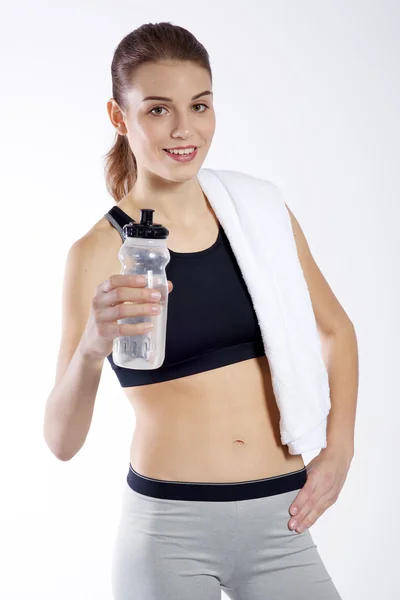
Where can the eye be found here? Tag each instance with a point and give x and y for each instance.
(155, 108)
(205, 106)
(162, 108)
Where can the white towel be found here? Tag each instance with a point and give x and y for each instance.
(258, 226)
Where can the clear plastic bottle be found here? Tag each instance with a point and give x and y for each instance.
(144, 252)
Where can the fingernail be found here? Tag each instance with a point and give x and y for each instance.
(294, 510)
(293, 524)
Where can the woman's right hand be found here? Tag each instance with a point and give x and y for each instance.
(108, 307)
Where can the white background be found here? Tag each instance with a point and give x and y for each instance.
(307, 96)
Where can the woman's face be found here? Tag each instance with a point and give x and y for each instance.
(184, 117)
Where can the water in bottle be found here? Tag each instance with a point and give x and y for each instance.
(144, 252)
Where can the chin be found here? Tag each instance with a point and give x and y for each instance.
(188, 173)
(184, 177)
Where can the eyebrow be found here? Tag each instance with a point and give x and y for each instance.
(207, 92)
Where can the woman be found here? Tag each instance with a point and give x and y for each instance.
(209, 487)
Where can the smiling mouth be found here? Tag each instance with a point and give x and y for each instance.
(169, 150)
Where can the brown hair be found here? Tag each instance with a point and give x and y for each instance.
(148, 43)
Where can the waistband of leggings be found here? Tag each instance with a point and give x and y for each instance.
(216, 492)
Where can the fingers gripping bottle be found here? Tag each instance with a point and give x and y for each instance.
(144, 252)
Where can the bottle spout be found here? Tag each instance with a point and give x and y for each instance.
(146, 216)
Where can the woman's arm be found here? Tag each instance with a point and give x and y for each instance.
(69, 407)
(339, 342)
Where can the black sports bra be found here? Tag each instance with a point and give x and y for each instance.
(211, 321)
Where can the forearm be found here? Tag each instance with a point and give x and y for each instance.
(69, 408)
(342, 357)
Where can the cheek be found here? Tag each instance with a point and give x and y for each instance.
(208, 134)
(209, 127)
(145, 136)
(153, 136)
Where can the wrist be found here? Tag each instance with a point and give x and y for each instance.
(344, 450)
(87, 357)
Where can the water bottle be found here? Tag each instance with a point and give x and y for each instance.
(144, 252)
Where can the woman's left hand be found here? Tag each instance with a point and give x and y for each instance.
(326, 475)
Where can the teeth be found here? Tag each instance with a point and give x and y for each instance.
(186, 151)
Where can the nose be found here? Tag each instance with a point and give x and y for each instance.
(182, 127)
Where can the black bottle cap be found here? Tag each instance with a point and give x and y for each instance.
(146, 229)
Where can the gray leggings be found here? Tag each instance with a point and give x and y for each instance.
(189, 541)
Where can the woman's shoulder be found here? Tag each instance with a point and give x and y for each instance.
(97, 252)
(102, 230)
(101, 239)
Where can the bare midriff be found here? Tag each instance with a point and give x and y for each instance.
(220, 425)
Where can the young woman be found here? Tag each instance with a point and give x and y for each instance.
(210, 485)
